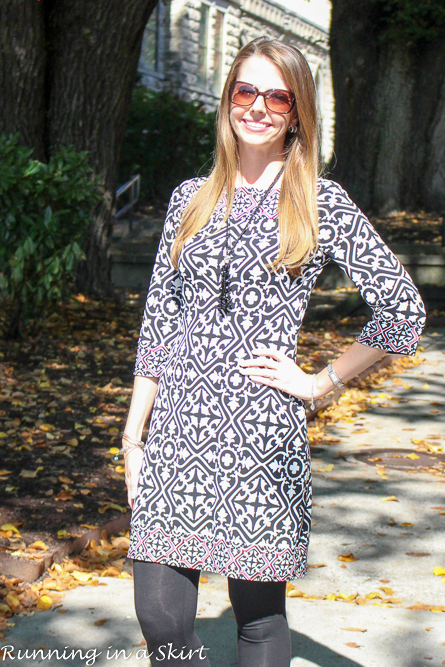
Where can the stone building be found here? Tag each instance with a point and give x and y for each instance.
(189, 46)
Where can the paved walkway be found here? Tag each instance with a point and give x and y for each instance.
(350, 517)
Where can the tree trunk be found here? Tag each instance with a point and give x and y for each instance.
(69, 69)
(390, 113)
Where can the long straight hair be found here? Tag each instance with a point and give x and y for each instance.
(297, 205)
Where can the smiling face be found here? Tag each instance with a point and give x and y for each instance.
(255, 127)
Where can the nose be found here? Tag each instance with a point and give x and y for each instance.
(259, 104)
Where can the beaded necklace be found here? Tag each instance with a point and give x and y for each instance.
(225, 299)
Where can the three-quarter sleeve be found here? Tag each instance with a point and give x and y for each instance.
(347, 237)
(161, 322)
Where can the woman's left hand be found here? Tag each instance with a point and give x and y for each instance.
(274, 369)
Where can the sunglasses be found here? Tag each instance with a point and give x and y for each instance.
(245, 94)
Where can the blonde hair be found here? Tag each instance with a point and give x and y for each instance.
(297, 205)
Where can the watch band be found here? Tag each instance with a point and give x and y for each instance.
(334, 377)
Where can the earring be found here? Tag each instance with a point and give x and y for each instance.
(293, 129)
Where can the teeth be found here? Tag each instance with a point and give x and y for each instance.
(255, 123)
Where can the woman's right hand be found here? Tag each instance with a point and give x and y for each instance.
(133, 465)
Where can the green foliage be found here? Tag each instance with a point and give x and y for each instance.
(409, 21)
(45, 213)
(167, 140)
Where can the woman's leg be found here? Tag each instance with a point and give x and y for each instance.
(165, 600)
(263, 632)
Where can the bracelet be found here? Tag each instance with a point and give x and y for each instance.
(334, 377)
(131, 444)
(132, 441)
(312, 404)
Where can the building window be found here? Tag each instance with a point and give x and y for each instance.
(218, 31)
(203, 46)
(150, 44)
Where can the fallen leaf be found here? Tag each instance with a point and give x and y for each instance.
(44, 602)
(418, 554)
(101, 621)
(38, 544)
(352, 645)
(390, 498)
(82, 576)
(387, 590)
(406, 524)
(411, 456)
(348, 558)
(354, 629)
(374, 595)
(439, 571)
(327, 468)
(11, 527)
(65, 480)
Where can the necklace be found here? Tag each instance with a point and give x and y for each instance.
(225, 299)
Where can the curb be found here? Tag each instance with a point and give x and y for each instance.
(29, 570)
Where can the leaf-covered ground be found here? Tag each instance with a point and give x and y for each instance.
(411, 228)
(64, 394)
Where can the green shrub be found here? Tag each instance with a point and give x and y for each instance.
(167, 140)
(45, 214)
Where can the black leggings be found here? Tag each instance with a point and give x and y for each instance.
(166, 599)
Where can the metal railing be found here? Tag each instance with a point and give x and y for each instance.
(133, 187)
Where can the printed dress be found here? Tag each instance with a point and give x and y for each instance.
(225, 483)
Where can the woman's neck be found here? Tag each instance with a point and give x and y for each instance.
(258, 171)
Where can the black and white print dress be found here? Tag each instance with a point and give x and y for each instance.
(225, 483)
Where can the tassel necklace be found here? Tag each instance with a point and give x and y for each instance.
(225, 299)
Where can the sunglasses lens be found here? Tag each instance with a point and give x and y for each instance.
(243, 94)
(279, 101)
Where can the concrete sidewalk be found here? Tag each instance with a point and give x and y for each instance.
(350, 517)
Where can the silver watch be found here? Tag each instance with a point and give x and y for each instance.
(334, 377)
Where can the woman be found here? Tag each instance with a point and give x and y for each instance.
(224, 482)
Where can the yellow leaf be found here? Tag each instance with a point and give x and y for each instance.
(13, 601)
(65, 480)
(62, 533)
(3, 473)
(393, 498)
(3, 434)
(47, 427)
(44, 602)
(82, 576)
(114, 450)
(439, 571)
(113, 430)
(374, 595)
(10, 526)
(406, 524)
(355, 629)
(73, 442)
(411, 456)
(387, 590)
(89, 525)
(426, 386)
(120, 469)
(295, 593)
(327, 468)
(331, 596)
(347, 558)
(38, 544)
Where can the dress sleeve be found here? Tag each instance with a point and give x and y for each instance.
(161, 322)
(348, 238)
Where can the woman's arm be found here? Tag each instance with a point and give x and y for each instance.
(142, 399)
(289, 377)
